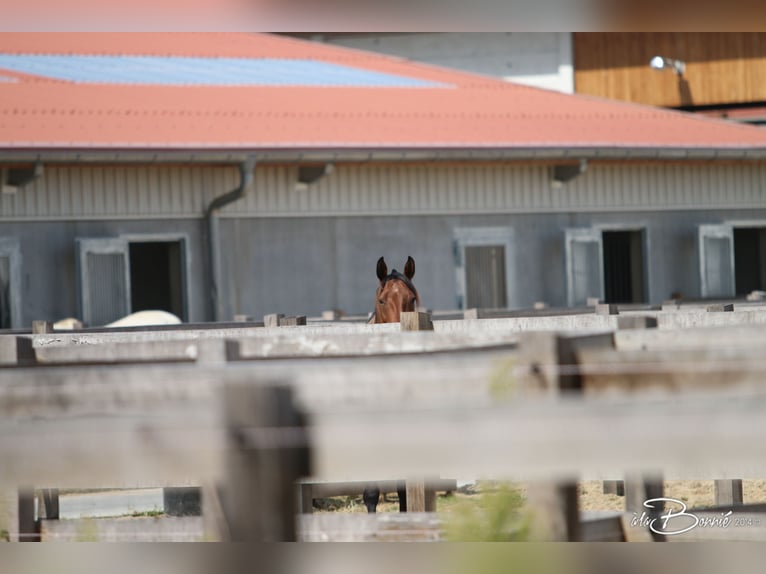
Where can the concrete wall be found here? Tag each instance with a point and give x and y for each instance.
(303, 265)
(300, 266)
(48, 250)
(541, 59)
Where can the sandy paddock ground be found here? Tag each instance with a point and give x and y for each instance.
(695, 493)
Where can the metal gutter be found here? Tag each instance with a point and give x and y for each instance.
(298, 155)
(246, 168)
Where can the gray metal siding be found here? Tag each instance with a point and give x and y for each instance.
(106, 289)
(118, 192)
(162, 192)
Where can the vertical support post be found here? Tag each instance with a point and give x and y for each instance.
(41, 327)
(416, 321)
(628, 322)
(544, 354)
(307, 498)
(28, 531)
(292, 321)
(720, 308)
(430, 497)
(266, 455)
(272, 319)
(728, 492)
(9, 515)
(556, 512)
(638, 489)
(606, 309)
(182, 500)
(418, 497)
(48, 503)
(214, 523)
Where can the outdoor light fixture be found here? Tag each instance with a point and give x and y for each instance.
(17, 177)
(561, 174)
(308, 174)
(662, 63)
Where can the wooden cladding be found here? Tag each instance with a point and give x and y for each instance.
(721, 68)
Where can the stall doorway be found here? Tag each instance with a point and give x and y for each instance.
(156, 277)
(749, 255)
(624, 266)
(732, 259)
(608, 265)
(123, 275)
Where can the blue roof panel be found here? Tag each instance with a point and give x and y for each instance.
(203, 71)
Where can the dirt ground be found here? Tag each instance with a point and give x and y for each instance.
(695, 493)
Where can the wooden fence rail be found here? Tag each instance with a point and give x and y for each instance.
(472, 398)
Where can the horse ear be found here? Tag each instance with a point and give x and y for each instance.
(382, 269)
(409, 268)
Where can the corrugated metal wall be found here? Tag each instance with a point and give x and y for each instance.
(123, 192)
(393, 189)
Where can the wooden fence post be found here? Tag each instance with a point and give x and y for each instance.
(48, 503)
(728, 492)
(720, 308)
(606, 309)
(555, 511)
(28, 526)
(640, 487)
(41, 327)
(266, 455)
(628, 322)
(272, 319)
(420, 498)
(637, 488)
(552, 369)
(416, 321)
(292, 321)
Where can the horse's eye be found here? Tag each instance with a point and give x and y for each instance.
(381, 302)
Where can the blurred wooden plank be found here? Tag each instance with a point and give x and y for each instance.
(128, 529)
(734, 369)
(700, 338)
(527, 440)
(602, 530)
(379, 527)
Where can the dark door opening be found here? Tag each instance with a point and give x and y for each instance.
(749, 259)
(157, 277)
(624, 266)
(485, 277)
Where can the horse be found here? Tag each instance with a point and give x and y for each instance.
(395, 294)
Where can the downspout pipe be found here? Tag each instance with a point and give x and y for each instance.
(246, 169)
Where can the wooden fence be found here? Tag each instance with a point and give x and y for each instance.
(548, 399)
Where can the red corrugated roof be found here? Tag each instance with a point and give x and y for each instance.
(462, 111)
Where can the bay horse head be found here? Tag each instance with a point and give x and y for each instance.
(395, 293)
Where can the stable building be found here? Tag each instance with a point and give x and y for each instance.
(220, 174)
